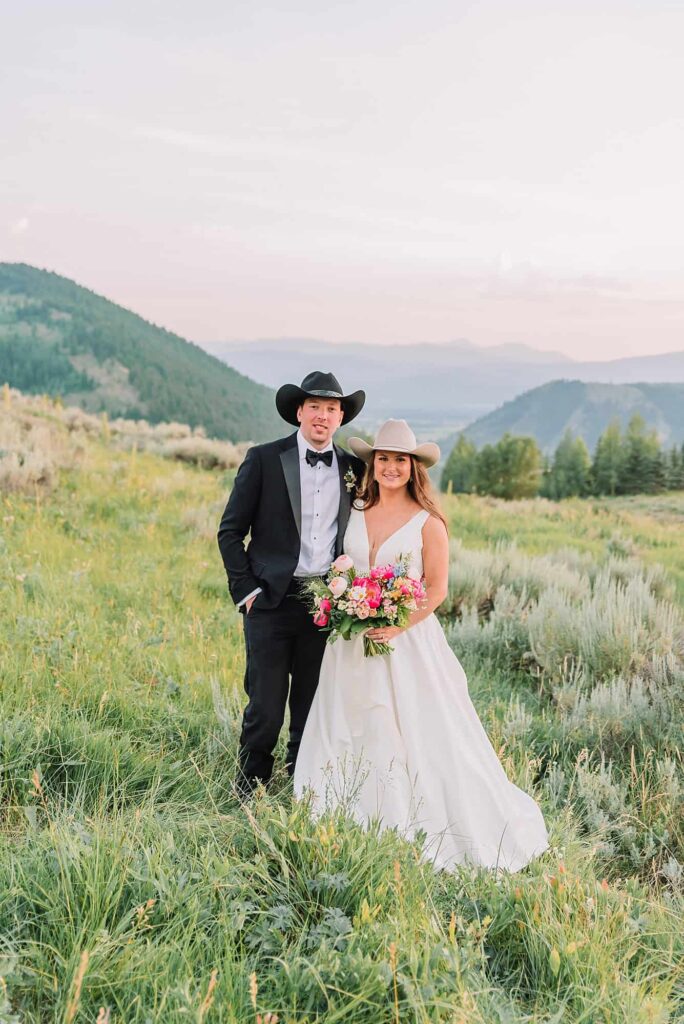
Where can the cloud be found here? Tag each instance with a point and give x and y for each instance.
(267, 146)
(19, 227)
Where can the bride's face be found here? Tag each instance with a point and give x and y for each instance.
(392, 469)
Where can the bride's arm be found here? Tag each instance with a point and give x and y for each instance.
(436, 571)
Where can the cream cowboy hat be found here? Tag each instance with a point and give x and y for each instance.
(396, 436)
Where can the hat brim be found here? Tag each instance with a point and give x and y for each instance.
(289, 397)
(427, 453)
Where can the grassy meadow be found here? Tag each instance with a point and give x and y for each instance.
(133, 888)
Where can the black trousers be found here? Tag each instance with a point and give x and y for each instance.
(284, 653)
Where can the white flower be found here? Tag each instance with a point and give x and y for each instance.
(337, 586)
(350, 480)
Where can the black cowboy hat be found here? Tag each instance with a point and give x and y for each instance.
(317, 385)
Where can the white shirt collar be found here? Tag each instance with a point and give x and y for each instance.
(303, 445)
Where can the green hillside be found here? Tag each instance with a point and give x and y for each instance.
(59, 338)
(546, 412)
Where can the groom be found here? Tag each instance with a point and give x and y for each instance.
(293, 497)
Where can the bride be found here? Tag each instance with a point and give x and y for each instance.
(395, 737)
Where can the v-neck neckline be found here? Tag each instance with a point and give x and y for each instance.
(389, 536)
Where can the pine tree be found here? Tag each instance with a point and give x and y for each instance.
(546, 482)
(657, 478)
(459, 471)
(510, 469)
(488, 478)
(522, 466)
(569, 473)
(642, 470)
(609, 457)
(674, 469)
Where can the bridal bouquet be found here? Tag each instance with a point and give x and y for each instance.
(345, 604)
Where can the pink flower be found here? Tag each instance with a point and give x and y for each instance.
(360, 581)
(325, 605)
(373, 594)
(320, 619)
(337, 586)
(376, 572)
(388, 573)
(343, 563)
(363, 611)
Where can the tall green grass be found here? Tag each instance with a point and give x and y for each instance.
(133, 886)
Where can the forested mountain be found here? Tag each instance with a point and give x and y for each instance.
(62, 339)
(547, 412)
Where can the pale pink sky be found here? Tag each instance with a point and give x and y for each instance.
(359, 172)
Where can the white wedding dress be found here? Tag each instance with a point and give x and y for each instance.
(396, 738)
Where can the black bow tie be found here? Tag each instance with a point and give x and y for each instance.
(313, 457)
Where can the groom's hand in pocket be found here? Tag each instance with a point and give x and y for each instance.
(248, 604)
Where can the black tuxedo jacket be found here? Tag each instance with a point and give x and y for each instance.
(266, 502)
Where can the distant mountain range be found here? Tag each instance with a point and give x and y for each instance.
(546, 412)
(59, 338)
(438, 387)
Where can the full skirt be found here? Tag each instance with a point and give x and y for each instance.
(395, 738)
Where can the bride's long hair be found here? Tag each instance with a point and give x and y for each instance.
(419, 487)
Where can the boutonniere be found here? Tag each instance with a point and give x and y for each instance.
(350, 480)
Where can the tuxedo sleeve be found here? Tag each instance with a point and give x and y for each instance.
(236, 523)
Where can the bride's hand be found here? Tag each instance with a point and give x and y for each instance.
(384, 634)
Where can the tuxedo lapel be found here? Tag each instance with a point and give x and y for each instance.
(345, 497)
(290, 463)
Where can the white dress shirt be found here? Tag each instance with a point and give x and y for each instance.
(320, 493)
(320, 490)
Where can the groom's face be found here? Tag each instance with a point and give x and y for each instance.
(319, 418)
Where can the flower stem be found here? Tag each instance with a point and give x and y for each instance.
(373, 647)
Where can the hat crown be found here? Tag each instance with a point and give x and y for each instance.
(395, 434)
(324, 384)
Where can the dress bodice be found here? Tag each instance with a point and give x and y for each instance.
(407, 541)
